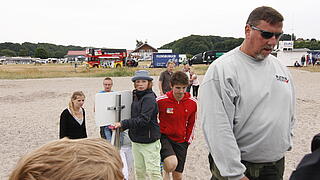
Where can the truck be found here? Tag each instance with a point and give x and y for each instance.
(182, 58)
(159, 60)
(106, 58)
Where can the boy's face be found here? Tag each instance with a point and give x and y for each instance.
(179, 90)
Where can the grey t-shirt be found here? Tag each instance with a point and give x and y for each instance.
(165, 79)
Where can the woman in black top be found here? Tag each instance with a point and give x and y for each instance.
(72, 119)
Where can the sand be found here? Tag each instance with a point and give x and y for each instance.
(30, 111)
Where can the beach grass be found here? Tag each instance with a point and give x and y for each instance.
(309, 68)
(31, 71)
(28, 71)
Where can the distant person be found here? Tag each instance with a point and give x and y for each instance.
(247, 104)
(308, 61)
(144, 130)
(66, 159)
(164, 79)
(190, 61)
(177, 115)
(296, 64)
(309, 166)
(303, 60)
(186, 69)
(73, 119)
(195, 84)
(106, 131)
(314, 60)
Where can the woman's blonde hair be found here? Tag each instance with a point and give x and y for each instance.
(74, 96)
(65, 159)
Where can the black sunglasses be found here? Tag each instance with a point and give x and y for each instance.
(266, 34)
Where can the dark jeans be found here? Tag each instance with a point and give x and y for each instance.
(188, 88)
(195, 91)
(255, 171)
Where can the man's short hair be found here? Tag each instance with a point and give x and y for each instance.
(179, 78)
(264, 13)
(108, 78)
(67, 159)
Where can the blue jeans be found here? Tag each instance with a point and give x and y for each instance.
(106, 133)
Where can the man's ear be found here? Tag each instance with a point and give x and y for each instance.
(247, 31)
(171, 85)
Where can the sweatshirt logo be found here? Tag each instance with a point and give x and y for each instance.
(169, 111)
(282, 78)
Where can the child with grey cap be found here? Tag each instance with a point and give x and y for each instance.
(144, 130)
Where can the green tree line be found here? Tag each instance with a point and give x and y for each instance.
(195, 44)
(312, 45)
(190, 45)
(40, 50)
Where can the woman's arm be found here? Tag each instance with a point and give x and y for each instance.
(142, 120)
(63, 125)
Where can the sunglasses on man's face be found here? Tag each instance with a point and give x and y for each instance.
(266, 34)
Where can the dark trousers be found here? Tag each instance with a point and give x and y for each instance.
(195, 91)
(188, 88)
(255, 171)
(102, 132)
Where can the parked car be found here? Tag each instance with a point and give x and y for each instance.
(206, 57)
(196, 59)
(131, 63)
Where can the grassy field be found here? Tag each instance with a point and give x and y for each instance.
(309, 68)
(31, 71)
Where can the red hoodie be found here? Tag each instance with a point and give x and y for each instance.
(177, 118)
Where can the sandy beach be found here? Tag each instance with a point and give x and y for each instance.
(30, 111)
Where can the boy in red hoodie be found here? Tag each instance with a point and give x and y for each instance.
(177, 114)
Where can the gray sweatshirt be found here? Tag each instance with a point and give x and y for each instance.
(247, 111)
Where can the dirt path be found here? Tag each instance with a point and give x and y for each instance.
(30, 111)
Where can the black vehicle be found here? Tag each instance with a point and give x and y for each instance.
(131, 63)
(197, 59)
(206, 57)
(209, 56)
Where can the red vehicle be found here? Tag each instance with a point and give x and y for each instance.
(108, 58)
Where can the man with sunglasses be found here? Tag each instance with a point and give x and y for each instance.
(247, 105)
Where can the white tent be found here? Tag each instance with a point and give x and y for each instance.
(289, 57)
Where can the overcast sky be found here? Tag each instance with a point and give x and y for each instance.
(118, 23)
